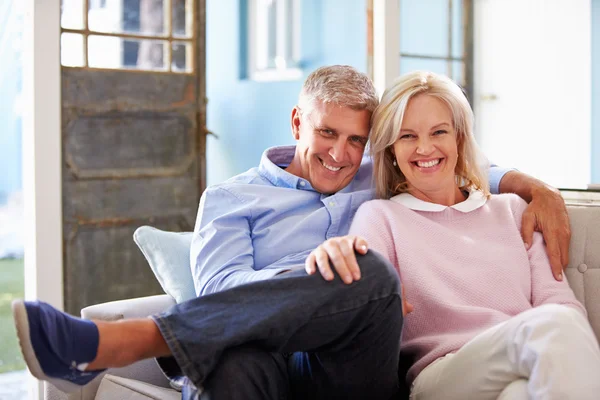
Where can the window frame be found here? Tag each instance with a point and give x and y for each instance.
(168, 39)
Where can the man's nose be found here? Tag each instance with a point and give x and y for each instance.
(337, 150)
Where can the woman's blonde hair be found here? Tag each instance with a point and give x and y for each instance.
(387, 121)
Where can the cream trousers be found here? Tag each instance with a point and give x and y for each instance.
(548, 352)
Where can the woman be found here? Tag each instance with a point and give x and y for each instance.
(489, 319)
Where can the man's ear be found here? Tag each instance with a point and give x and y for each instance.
(296, 123)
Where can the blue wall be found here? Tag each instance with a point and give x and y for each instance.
(250, 116)
(10, 88)
(595, 91)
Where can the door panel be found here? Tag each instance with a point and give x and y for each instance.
(133, 154)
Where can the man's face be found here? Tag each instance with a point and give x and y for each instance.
(331, 142)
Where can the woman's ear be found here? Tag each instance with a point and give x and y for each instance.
(296, 123)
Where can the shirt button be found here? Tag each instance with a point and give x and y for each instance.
(331, 204)
(302, 183)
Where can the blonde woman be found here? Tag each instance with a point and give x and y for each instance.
(489, 320)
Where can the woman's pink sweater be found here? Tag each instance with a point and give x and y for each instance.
(463, 271)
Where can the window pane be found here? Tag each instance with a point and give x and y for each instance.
(115, 52)
(458, 73)
(71, 14)
(182, 15)
(424, 27)
(142, 17)
(408, 64)
(182, 57)
(457, 28)
(71, 50)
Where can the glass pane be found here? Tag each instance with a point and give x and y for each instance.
(424, 27)
(408, 64)
(115, 52)
(182, 57)
(71, 50)
(182, 15)
(458, 73)
(71, 14)
(141, 17)
(457, 28)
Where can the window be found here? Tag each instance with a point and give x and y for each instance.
(151, 35)
(435, 36)
(530, 72)
(274, 40)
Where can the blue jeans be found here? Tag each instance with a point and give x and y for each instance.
(291, 337)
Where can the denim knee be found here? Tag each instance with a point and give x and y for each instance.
(377, 269)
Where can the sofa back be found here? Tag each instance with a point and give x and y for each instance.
(583, 272)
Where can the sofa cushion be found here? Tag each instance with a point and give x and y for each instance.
(583, 271)
(168, 254)
(117, 388)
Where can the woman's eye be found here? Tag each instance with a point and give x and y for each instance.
(327, 132)
(440, 132)
(407, 136)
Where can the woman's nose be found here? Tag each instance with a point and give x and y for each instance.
(424, 147)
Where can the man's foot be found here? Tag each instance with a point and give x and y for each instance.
(56, 346)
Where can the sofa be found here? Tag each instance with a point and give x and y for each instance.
(144, 380)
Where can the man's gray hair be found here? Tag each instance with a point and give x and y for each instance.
(341, 85)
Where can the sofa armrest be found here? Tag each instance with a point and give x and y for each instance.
(131, 308)
(145, 370)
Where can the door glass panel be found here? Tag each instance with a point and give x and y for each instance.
(71, 50)
(182, 18)
(181, 61)
(140, 17)
(116, 52)
(71, 14)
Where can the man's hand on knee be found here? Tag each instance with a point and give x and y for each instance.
(340, 252)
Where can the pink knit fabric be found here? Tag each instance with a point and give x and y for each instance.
(463, 272)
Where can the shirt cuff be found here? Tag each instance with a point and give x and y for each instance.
(495, 175)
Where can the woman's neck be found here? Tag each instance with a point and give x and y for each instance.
(443, 196)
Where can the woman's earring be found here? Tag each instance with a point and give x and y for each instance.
(395, 163)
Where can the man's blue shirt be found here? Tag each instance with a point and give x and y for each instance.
(266, 221)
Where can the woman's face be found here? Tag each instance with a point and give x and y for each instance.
(426, 151)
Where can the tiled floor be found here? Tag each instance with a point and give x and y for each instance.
(13, 386)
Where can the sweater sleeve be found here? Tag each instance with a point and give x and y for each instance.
(544, 288)
(371, 223)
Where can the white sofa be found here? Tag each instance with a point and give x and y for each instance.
(144, 380)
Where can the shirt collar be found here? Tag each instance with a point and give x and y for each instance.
(272, 167)
(475, 200)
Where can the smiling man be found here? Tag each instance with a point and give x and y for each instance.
(262, 327)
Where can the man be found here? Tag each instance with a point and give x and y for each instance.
(264, 328)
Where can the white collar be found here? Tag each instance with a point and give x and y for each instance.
(475, 200)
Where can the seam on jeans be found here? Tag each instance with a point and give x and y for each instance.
(180, 355)
(356, 303)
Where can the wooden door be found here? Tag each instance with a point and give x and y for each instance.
(133, 137)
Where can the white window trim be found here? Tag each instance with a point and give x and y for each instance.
(255, 52)
(386, 43)
(42, 179)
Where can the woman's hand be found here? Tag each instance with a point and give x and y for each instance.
(340, 251)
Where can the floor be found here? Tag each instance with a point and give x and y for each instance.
(13, 386)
